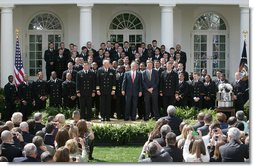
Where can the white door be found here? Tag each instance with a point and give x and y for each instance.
(37, 44)
(210, 52)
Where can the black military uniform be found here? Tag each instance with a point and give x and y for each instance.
(210, 95)
(169, 85)
(50, 56)
(77, 67)
(69, 90)
(61, 65)
(25, 92)
(10, 94)
(55, 92)
(85, 85)
(106, 83)
(120, 99)
(40, 89)
(197, 91)
(182, 94)
(96, 100)
(73, 75)
(239, 88)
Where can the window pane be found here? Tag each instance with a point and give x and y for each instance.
(32, 72)
(39, 38)
(209, 21)
(32, 55)
(45, 21)
(39, 55)
(32, 47)
(32, 64)
(139, 38)
(126, 21)
(31, 38)
(203, 47)
(197, 47)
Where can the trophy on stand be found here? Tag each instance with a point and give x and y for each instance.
(224, 96)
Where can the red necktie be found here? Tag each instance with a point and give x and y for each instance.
(133, 77)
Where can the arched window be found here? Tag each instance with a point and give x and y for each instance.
(210, 44)
(209, 21)
(45, 21)
(126, 27)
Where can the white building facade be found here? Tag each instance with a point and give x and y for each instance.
(211, 32)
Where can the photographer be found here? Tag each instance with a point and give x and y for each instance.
(77, 155)
(155, 153)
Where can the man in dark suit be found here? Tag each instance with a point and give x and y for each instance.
(66, 52)
(234, 150)
(10, 94)
(8, 148)
(28, 137)
(183, 57)
(132, 89)
(157, 55)
(26, 96)
(71, 71)
(182, 96)
(169, 86)
(239, 88)
(40, 89)
(175, 152)
(207, 122)
(105, 87)
(197, 91)
(150, 82)
(155, 152)
(30, 153)
(200, 121)
(141, 102)
(127, 50)
(173, 120)
(61, 63)
(85, 88)
(50, 59)
(98, 59)
(209, 93)
(55, 90)
(69, 92)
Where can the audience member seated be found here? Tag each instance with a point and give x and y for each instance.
(174, 121)
(221, 118)
(8, 149)
(185, 132)
(75, 117)
(10, 124)
(17, 118)
(25, 132)
(174, 152)
(207, 120)
(46, 157)
(30, 154)
(180, 129)
(197, 152)
(200, 121)
(240, 116)
(76, 154)
(38, 122)
(232, 122)
(61, 137)
(86, 133)
(156, 130)
(49, 138)
(163, 131)
(62, 155)
(31, 126)
(234, 150)
(41, 147)
(155, 153)
(60, 118)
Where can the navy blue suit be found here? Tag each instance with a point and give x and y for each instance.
(151, 98)
(132, 90)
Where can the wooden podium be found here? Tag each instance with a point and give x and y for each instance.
(226, 110)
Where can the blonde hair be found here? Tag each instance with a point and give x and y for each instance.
(72, 146)
(198, 148)
(60, 118)
(73, 131)
(186, 130)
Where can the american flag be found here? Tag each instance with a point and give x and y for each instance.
(18, 66)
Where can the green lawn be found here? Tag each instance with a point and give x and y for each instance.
(116, 154)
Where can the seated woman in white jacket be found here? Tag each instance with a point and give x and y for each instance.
(198, 152)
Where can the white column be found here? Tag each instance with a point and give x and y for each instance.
(244, 28)
(85, 32)
(167, 31)
(7, 49)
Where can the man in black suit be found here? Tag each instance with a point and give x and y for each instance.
(55, 90)
(30, 154)
(28, 137)
(69, 92)
(26, 96)
(132, 89)
(182, 96)
(50, 59)
(10, 94)
(157, 55)
(98, 59)
(197, 91)
(234, 150)
(8, 148)
(71, 71)
(105, 87)
(239, 88)
(61, 63)
(66, 52)
(40, 89)
(183, 57)
(85, 88)
(207, 122)
(127, 50)
(120, 99)
(175, 152)
(169, 86)
(150, 82)
(209, 93)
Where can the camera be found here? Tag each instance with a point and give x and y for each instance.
(74, 159)
(215, 130)
(216, 138)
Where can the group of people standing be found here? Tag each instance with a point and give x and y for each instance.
(117, 79)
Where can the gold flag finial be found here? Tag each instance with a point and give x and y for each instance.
(245, 33)
(17, 33)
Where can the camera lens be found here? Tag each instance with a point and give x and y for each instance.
(74, 159)
(215, 130)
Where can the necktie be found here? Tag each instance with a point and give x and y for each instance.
(133, 77)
